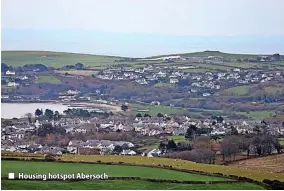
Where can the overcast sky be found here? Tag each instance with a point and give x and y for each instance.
(143, 27)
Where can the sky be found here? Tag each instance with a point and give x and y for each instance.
(141, 28)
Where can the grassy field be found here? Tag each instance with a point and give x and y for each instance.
(110, 170)
(213, 53)
(177, 138)
(121, 185)
(153, 109)
(48, 79)
(238, 90)
(273, 89)
(180, 164)
(78, 72)
(198, 70)
(54, 59)
(281, 141)
(164, 85)
(271, 164)
(257, 115)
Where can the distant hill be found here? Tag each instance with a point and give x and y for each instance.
(54, 59)
(59, 59)
(214, 53)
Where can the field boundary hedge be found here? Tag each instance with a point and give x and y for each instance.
(140, 178)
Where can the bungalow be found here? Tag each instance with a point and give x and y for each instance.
(128, 152)
(152, 152)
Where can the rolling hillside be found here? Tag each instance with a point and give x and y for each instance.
(54, 59)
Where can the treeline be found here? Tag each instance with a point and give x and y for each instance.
(204, 149)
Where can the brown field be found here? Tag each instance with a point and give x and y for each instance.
(78, 72)
(272, 164)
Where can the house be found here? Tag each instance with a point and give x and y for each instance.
(12, 84)
(174, 80)
(24, 78)
(206, 94)
(10, 72)
(73, 92)
(152, 152)
(128, 152)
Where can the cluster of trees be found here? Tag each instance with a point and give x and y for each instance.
(25, 68)
(203, 149)
(48, 129)
(148, 115)
(55, 115)
(77, 66)
(84, 113)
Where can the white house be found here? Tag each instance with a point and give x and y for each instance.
(173, 81)
(12, 84)
(152, 153)
(10, 72)
(128, 152)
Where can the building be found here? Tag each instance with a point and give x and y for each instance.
(10, 72)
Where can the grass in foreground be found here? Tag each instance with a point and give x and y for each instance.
(111, 170)
(48, 79)
(120, 185)
(180, 164)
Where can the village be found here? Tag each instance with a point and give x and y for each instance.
(18, 137)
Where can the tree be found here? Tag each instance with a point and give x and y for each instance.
(56, 115)
(220, 119)
(202, 142)
(124, 107)
(117, 149)
(48, 113)
(138, 115)
(160, 115)
(234, 131)
(147, 115)
(163, 147)
(184, 146)
(79, 66)
(229, 146)
(190, 132)
(4, 68)
(29, 116)
(171, 145)
(245, 144)
(38, 112)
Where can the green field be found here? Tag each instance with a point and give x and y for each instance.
(281, 141)
(48, 79)
(165, 85)
(238, 90)
(54, 59)
(111, 170)
(273, 89)
(177, 138)
(198, 70)
(180, 164)
(121, 185)
(154, 109)
(257, 115)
